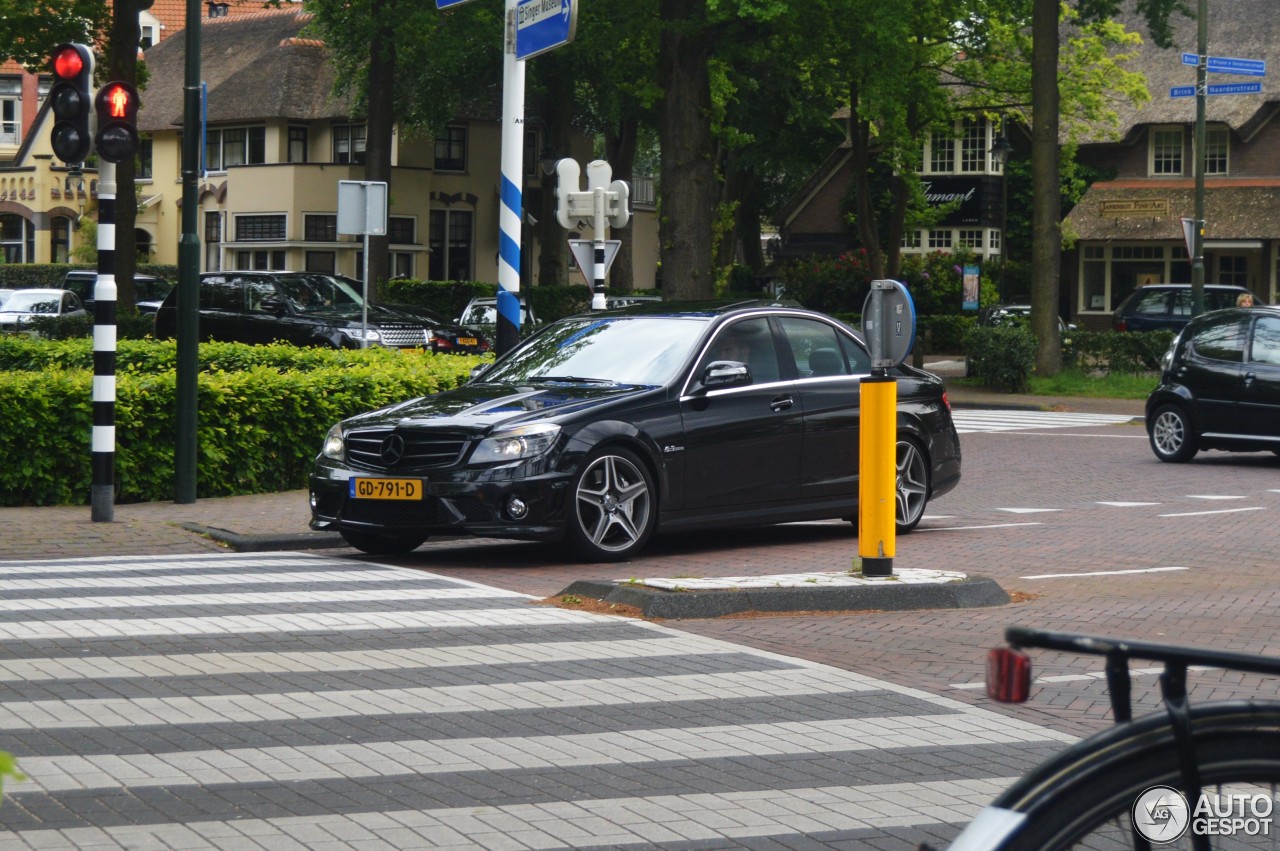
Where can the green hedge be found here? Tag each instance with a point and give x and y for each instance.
(262, 414)
(449, 298)
(1118, 351)
(1002, 356)
(26, 275)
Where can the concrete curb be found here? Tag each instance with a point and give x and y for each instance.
(972, 592)
(269, 543)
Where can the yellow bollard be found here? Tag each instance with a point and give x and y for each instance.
(877, 474)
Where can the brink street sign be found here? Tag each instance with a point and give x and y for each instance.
(543, 25)
(1217, 89)
(1227, 65)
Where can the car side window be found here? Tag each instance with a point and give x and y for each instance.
(748, 341)
(859, 358)
(219, 293)
(1265, 347)
(1222, 340)
(1182, 303)
(815, 347)
(1155, 303)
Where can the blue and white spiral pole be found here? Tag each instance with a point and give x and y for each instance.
(102, 493)
(510, 216)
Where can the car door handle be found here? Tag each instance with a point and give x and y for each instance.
(782, 403)
(1249, 378)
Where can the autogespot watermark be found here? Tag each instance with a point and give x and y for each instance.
(1162, 815)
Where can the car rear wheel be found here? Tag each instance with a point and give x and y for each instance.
(912, 490)
(1172, 438)
(381, 544)
(614, 506)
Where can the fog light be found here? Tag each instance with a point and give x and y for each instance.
(516, 508)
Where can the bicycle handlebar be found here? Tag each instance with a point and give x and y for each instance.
(1023, 636)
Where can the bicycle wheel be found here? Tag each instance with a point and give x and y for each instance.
(1084, 798)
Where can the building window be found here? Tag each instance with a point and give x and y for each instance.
(149, 36)
(10, 110)
(43, 84)
(297, 144)
(348, 143)
(260, 261)
(212, 241)
(451, 244)
(973, 146)
(18, 238)
(1233, 269)
(60, 239)
(322, 262)
(143, 159)
(400, 230)
(1216, 148)
(971, 239)
(401, 264)
(228, 146)
(251, 228)
(996, 239)
(942, 151)
(939, 239)
(1109, 273)
(1166, 151)
(911, 239)
(451, 149)
(317, 227)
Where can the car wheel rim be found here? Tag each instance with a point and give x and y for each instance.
(1168, 433)
(613, 503)
(913, 483)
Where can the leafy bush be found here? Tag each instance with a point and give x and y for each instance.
(1002, 356)
(262, 413)
(829, 284)
(1131, 352)
(26, 275)
(944, 334)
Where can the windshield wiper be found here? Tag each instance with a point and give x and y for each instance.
(571, 379)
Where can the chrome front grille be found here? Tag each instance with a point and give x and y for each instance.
(399, 449)
(403, 336)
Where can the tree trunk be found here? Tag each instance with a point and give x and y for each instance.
(620, 152)
(379, 129)
(556, 112)
(689, 188)
(122, 64)
(1046, 238)
(864, 204)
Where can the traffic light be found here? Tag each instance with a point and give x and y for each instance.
(72, 81)
(117, 136)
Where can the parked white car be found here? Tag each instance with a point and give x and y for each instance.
(24, 305)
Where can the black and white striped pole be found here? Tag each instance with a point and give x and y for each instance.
(104, 351)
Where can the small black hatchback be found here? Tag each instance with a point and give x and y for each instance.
(309, 309)
(1219, 386)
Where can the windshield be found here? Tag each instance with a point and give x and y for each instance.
(22, 302)
(487, 314)
(312, 293)
(617, 350)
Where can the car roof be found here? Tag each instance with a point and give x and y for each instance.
(1188, 286)
(43, 290)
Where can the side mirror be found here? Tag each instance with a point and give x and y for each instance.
(726, 373)
(479, 370)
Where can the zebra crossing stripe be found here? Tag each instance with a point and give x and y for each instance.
(308, 577)
(805, 811)
(264, 598)
(620, 747)
(969, 421)
(249, 709)
(210, 664)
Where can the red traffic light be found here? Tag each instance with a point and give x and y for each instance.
(118, 99)
(67, 62)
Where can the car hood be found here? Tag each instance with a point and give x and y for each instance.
(482, 407)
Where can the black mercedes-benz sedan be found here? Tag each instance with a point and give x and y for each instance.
(606, 427)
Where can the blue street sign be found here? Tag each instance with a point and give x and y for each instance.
(445, 4)
(1217, 89)
(1227, 65)
(543, 25)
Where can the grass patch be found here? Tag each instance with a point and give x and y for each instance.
(1075, 382)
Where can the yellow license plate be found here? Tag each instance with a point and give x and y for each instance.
(467, 341)
(365, 488)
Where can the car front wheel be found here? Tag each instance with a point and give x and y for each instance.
(614, 506)
(1171, 436)
(912, 490)
(378, 544)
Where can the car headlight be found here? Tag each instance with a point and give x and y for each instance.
(517, 444)
(334, 443)
(369, 335)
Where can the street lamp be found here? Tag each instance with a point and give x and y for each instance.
(1000, 150)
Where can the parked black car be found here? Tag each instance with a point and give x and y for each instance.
(1219, 387)
(604, 428)
(149, 291)
(310, 310)
(1168, 306)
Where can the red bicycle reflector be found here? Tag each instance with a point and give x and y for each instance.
(68, 63)
(1008, 675)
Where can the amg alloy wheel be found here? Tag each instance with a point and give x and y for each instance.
(912, 490)
(614, 506)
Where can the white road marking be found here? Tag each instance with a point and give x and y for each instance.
(1219, 511)
(1103, 572)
